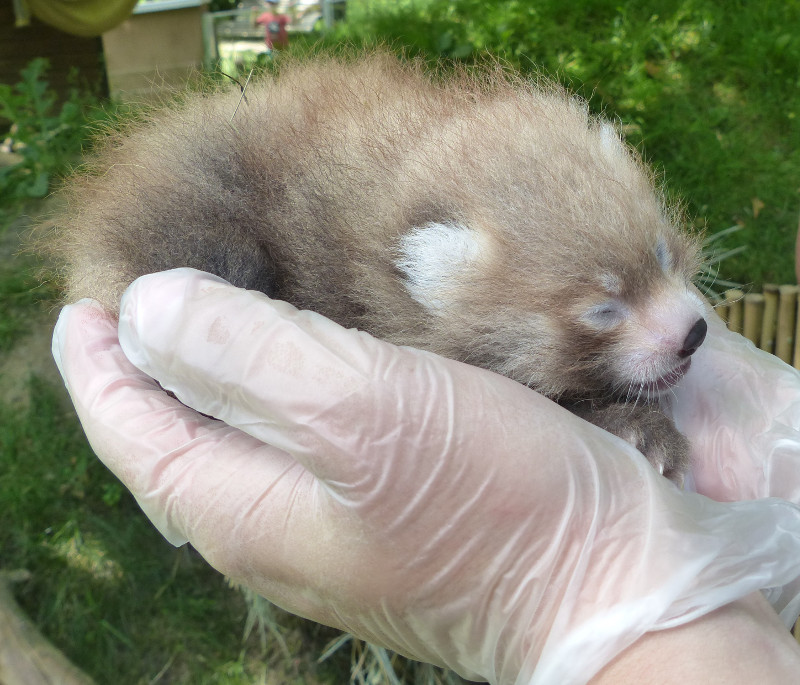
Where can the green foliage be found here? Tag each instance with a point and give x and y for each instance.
(45, 135)
(20, 292)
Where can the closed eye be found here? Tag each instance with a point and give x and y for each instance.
(663, 255)
(605, 316)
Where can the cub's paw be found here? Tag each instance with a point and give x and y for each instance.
(648, 430)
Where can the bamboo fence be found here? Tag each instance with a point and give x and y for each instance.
(768, 319)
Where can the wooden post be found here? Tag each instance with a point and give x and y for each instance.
(770, 318)
(796, 347)
(787, 320)
(733, 300)
(753, 317)
(26, 657)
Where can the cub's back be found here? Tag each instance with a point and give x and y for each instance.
(307, 187)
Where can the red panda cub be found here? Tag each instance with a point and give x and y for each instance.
(483, 217)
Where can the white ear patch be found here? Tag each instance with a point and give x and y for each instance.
(432, 256)
(663, 255)
(610, 140)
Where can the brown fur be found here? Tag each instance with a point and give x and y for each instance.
(307, 191)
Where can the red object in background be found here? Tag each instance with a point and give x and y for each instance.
(275, 34)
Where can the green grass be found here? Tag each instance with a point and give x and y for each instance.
(106, 588)
(19, 290)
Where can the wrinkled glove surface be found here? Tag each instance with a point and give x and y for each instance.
(428, 506)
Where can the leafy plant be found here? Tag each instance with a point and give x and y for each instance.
(44, 135)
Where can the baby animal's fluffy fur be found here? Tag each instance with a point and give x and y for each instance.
(483, 217)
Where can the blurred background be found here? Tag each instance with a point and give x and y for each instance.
(708, 90)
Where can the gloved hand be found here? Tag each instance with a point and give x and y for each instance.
(740, 408)
(431, 507)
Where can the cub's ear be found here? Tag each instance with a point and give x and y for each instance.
(434, 258)
(611, 140)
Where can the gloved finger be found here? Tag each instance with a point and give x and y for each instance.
(740, 408)
(325, 394)
(196, 478)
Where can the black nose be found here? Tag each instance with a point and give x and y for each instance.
(694, 339)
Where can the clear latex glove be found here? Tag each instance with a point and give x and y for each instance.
(740, 408)
(437, 509)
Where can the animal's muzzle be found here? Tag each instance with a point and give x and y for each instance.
(694, 339)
